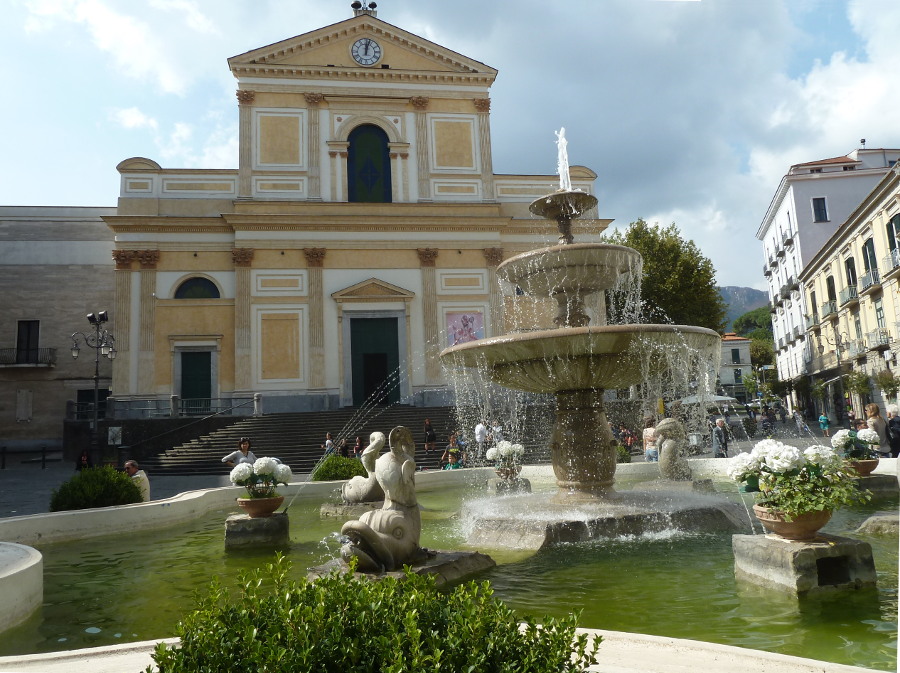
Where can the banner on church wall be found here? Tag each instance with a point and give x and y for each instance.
(464, 326)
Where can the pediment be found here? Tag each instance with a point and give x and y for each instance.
(373, 289)
(328, 50)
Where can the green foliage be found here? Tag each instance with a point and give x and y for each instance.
(888, 382)
(858, 382)
(817, 389)
(335, 468)
(95, 487)
(755, 322)
(749, 426)
(340, 623)
(679, 283)
(762, 352)
(780, 388)
(751, 383)
(623, 455)
(811, 490)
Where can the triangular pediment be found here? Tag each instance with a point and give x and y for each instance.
(373, 289)
(325, 51)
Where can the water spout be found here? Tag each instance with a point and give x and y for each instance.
(562, 162)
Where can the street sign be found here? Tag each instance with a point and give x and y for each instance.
(758, 394)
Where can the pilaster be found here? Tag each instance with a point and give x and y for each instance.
(483, 107)
(427, 260)
(243, 370)
(245, 142)
(420, 104)
(121, 366)
(148, 260)
(315, 262)
(493, 257)
(313, 100)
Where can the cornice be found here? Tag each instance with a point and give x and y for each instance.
(357, 75)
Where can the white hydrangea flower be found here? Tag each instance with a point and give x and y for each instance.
(491, 453)
(504, 449)
(741, 465)
(241, 473)
(283, 474)
(822, 456)
(265, 466)
(784, 459)
(518, 450)
(869, 436)
(763, 448)
(503, 444)
(842, 440)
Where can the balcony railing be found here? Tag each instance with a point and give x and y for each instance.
(784, 292)
(766, 270)
(878, 339)
(856, 348)
(780, 252)
(812, 321)
(788, 239)
(824, 361)
(892, 262)
(35, 357)
(828, 308)
(796, 333)
(848, 294)
(773, 262)
(870, 279)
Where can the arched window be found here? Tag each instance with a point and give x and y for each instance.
(368, 166)
(197, 288)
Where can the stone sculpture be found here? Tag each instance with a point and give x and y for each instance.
(385, 539)
(672, 444)
(366, 489)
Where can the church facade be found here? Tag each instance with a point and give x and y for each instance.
(358, 237)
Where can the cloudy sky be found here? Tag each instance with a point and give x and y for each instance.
(689, 111)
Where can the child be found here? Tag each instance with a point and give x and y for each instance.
(454, 461)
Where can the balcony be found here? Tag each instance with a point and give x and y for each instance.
(781, 344)
(788, 239)
(792, 284)
(773, 262)
(879, 340)
(870, 281)
(779, 252)
(796, 333)
(822, 362)
(784, 292)
(812, 321)
(856, 348)
(766, 270)
(892, 264)
(829, 309)
(848, 296)
(27, 357)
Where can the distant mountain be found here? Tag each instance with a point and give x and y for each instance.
(739, 300)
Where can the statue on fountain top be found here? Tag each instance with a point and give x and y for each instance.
(366, 489)
(385, 539)
(672, 444)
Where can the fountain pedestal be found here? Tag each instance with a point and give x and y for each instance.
(582, 446)
(243, 531)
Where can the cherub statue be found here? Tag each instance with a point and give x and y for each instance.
(385, 539)
(366, 489)
(672, 445)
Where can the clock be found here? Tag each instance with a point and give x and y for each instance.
(366, 51)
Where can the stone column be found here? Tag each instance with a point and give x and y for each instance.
(483, 106)
(494, 256)
(315, 262)
(431, 331)
(399, 153)
(242, 258)
(121, 329)
(420, 104)
(315, 183)
(147, 357)
(337, 156)
(245, 142)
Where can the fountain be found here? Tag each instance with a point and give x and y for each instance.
(578, 360)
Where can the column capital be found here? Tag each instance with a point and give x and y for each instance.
(313, 99)
(419, 102)
(482, 104)
(315, 257)
(242, 256)
(245, 96)
(124, 258)
(148, 258)
(493, 256)
(427, 256)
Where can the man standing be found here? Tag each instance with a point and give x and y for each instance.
(139, 477)
(480, 438)
(720, 439)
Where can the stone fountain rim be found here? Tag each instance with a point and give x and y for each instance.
(540, 252)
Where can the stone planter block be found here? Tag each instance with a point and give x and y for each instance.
(242, 531)
(828, 563)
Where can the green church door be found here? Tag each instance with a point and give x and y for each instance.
(196, 381)
(375, 360)
(368, 166)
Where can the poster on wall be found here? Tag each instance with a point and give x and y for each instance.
(464, 326)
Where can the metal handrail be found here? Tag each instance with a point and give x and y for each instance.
(27, 356)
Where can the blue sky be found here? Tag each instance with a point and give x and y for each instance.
(689, 111)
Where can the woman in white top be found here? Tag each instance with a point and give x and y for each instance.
(879, 425)
(242, 455)
(651, 453)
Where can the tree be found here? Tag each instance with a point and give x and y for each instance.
(753, 321)
(679, 283)
(762, 352)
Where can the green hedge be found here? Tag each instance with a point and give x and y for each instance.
(336, 467)
(623, 455)
(343, 624)
(95, 487)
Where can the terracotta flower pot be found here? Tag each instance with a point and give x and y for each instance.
(864, 467)
(803, 527)
(258, 508)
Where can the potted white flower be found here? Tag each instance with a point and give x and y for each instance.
(858, 447)
(797, 490)
(261, 479)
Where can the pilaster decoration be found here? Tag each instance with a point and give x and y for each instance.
(420, 103)
(315, 257)
(487, 162)
(313, 99)
(243, 376)
(121, 365)
(493, 256)
(312, 146)
(245, 96)
(148, 258)
(482, 104)
(123, 258)
(427, 256)
(242, 256)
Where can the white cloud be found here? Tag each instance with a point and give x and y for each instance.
(132, 118)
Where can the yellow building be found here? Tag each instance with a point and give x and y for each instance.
(358, 237)
(853, 289)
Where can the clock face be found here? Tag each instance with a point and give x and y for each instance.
(366, 51)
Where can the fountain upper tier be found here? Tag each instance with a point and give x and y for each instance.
(578, 358)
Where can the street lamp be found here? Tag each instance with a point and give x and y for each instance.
(839, 341)
(103, 343)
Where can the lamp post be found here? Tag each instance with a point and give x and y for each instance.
(838, 341)
(103, 343)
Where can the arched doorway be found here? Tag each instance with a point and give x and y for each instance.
(368, 166)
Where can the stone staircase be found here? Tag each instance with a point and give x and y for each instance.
(297, 438)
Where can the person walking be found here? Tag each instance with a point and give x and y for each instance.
(720, 439)
(329, 444)
(823, 424)
(430, 436)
